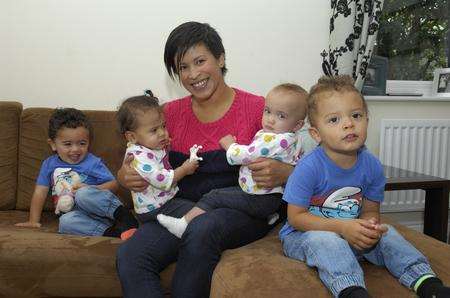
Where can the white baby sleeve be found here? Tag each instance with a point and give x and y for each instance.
(153, 171)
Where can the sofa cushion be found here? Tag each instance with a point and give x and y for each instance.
(9, 136)
(39, 264)
(49, 220)
(261, 270)
(59, 259)
(106, 143)
(47, 264)
(85, 266)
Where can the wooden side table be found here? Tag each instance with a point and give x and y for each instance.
(436, 197)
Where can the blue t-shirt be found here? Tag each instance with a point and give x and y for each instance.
(91, 169)
(328, 190)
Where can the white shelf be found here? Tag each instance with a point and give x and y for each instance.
(405, 98)
(405, 87)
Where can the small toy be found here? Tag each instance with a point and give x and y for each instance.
(63, 192)
(193, 150)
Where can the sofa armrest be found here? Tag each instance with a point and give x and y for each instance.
(9, 139)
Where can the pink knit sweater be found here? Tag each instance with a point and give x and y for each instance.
(242, 120)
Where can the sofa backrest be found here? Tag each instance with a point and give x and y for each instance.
(9, 137)
(106, 143)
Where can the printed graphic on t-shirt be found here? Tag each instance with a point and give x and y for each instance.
(342, 203)
(63, 180)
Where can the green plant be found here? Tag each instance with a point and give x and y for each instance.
(413, 35)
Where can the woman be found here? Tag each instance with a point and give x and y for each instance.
(194, 53)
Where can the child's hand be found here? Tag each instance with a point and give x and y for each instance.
(226, 141)
(381, 228)
(166, 143)
(190, 166)
(77, 186)
(28, 224)
(360, 233)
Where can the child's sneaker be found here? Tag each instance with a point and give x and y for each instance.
(127, 234)
(124, 218)
(432, 287)
(124, 221)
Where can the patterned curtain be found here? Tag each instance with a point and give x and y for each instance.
(353, 31)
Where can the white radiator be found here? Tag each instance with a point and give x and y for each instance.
(420, 146)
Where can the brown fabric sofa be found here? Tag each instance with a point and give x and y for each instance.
(43, 263)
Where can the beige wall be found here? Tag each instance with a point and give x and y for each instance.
(94, 53)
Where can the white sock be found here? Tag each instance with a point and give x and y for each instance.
(271, 219)
(176, 226)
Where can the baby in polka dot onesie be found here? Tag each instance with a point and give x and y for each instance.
(142, 122)
(283, 116)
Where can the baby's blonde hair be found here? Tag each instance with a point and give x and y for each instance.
(290, 87)
(295, 89)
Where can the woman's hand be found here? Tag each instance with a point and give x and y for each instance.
(270, 173)
(77, 186)
(129, 178)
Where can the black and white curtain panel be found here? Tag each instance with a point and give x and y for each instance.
(353, 31)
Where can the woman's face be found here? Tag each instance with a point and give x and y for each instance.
(201, 73)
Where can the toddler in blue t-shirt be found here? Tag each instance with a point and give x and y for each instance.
(81, 185)
(334, 197)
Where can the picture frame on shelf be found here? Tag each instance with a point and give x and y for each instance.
(441, 83)
(376, 76)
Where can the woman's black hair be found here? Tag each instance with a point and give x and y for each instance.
(187, 35)
(67, 118)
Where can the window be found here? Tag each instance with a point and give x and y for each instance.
(413, 36)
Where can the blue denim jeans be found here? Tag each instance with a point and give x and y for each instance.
(152, 248)
(337, 262)
(92, 213)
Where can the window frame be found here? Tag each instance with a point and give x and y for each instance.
(416, 88)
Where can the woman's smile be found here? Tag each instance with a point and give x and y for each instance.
(200, 84)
